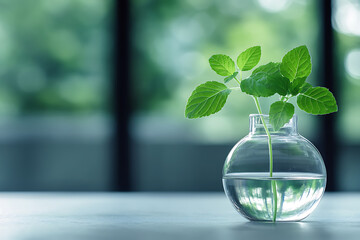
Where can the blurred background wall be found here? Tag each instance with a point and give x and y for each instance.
(92, 93)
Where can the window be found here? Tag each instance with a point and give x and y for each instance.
(171, 44)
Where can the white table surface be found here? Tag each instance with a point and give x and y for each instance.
(164, 216)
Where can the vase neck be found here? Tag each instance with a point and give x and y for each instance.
(257, 127)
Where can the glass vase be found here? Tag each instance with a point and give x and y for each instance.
(298, 177)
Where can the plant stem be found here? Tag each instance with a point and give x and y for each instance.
(273, 186)
(286, 98)
(273, 182)
(267, 133)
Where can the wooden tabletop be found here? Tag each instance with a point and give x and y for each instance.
(163, 216)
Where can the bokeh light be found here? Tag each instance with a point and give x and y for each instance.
(346, 17)
(352, 64)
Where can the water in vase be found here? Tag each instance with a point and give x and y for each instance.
(252, 194)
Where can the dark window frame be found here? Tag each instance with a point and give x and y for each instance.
(327, 134)
(121, 97)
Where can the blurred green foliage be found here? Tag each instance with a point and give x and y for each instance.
(54, 56)
(345, 19)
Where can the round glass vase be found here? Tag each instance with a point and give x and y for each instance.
(298, 178)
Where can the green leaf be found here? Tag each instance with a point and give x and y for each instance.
(317, 100)
(227, 79)
(257, 85)
(296, 85)
(271, 68)
(249, 58)
(277, 82)
(296, 63)
(305, 87)
(222, 64)
(265, 81)
(206, 99)
(280, 113)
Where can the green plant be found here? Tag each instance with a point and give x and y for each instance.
(286, 78)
